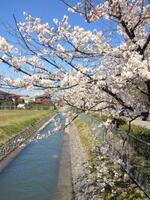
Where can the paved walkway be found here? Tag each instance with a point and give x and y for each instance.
(64, 187)
(139, 122)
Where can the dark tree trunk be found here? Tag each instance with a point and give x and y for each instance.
(148, 89)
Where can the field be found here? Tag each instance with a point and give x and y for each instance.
(13, 121)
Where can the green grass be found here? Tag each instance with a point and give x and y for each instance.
(86, 138)
(13, 121)
(136, 130)
(102, 118)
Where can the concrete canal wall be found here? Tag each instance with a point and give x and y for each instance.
(12, 144)
(64, 186)
(83, 184)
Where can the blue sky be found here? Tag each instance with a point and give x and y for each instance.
(46, 10)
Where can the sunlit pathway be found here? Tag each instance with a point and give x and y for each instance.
(139, 122)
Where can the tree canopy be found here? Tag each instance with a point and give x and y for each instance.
(83, 68)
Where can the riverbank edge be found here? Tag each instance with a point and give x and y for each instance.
(64, 184)
(40, 125)
(82, 181)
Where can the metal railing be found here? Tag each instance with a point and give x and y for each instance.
(134, 152)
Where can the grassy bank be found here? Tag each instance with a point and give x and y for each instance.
(102, 118)
(136, 130)
(85, 136)
(13, 121)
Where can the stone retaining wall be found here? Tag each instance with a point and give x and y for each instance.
(16, 141)
(83, 184)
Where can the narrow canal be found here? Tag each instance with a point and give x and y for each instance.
(33, 174)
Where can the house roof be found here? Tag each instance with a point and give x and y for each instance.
(2, 93)
(45, 95)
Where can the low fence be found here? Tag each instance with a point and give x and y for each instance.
(13, 143)
(134, 153)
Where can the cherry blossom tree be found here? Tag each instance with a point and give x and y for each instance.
(128, 71)
(84, 68)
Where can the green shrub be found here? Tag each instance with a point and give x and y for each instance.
(122, 121)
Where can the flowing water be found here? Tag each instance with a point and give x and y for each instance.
(33, 174)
